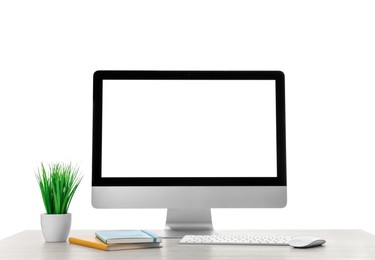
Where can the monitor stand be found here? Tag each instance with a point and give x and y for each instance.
(182, 222)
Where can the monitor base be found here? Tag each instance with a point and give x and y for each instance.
(182, 222)
(168, 233)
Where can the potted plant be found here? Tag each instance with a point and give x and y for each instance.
(58, 184)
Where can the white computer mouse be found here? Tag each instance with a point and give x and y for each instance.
(306, 242)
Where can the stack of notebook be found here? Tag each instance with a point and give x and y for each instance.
(111, 240)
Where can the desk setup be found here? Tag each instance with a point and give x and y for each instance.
(341, 244)
(190, 141)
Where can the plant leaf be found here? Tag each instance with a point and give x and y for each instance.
(58, 186)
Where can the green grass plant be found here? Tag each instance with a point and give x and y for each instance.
(58, 183)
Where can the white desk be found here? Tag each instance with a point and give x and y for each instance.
(341, 244)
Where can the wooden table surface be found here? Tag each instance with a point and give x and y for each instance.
(341, 244)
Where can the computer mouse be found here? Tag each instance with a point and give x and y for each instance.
(306, 242)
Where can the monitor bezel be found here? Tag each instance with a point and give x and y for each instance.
(99, 76)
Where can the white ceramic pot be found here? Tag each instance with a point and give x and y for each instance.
(56, 227)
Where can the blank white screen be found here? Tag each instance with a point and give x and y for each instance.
(189, 128)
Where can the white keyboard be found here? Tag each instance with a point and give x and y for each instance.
(236, 240)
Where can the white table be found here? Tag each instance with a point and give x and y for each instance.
(341, 244)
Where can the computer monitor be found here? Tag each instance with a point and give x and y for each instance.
(189, 141)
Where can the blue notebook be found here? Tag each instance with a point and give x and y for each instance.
(127, 236)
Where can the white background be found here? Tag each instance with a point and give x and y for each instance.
(49, 51)
(189, 128)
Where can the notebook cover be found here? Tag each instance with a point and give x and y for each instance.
(127, 236)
